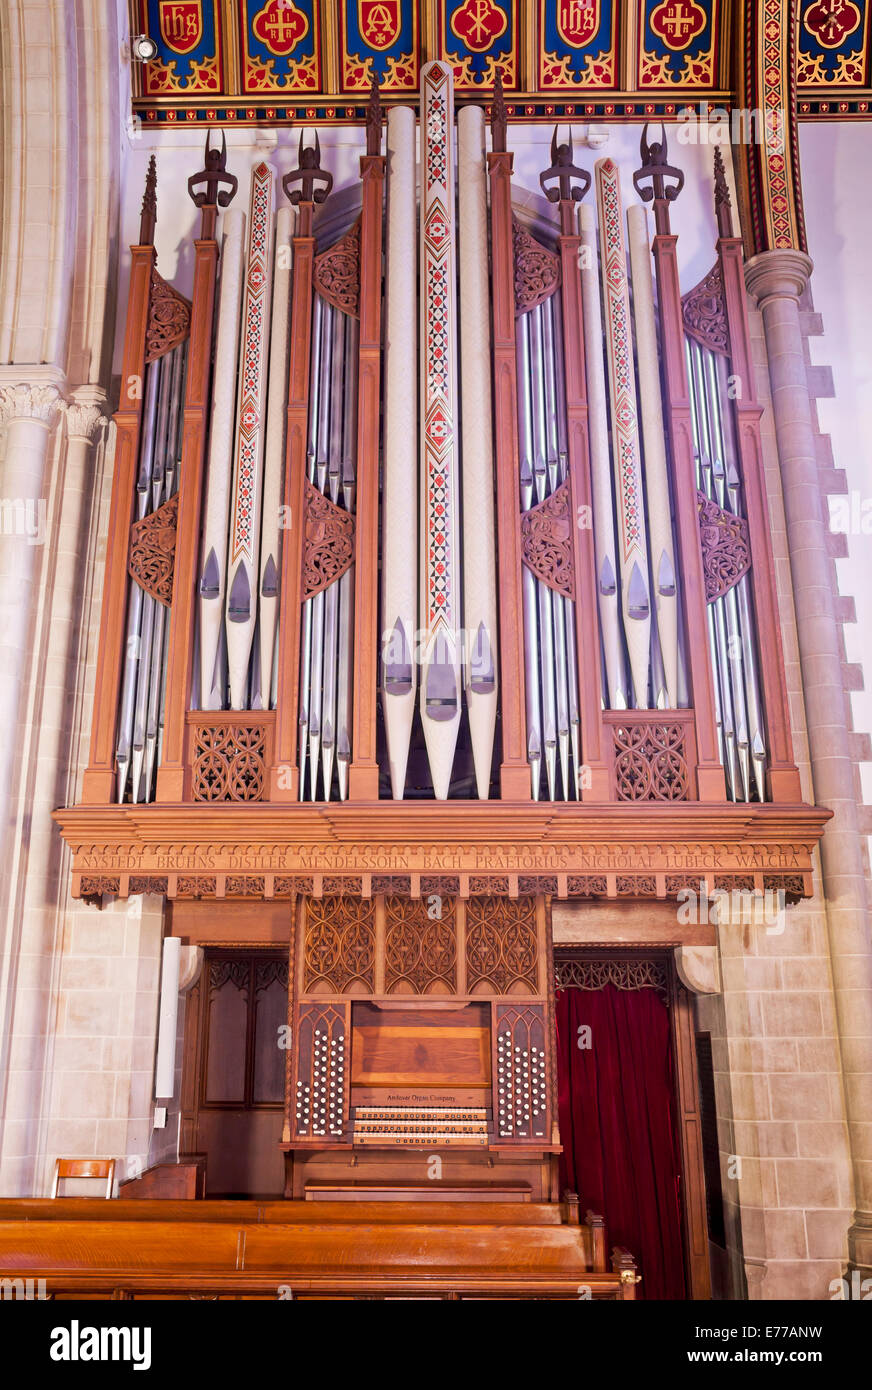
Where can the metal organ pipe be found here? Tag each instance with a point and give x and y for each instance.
(567, 604)
(326, 668)
(400, 485)
(479, 539)
(144, 673)
(660, 536)
(731, 619)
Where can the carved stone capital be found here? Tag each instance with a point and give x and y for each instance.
(778, 275)
(698, 968)
(85, 415)
(26, 401)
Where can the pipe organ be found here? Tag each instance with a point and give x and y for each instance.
(438, 588)
(622, 610)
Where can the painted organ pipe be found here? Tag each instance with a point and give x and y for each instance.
(479, 538)
(635, 582)
(243, 568)
(440, 571)
(601, 473)
(732, 637)
(144, 671)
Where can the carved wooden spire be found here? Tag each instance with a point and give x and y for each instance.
(499, 116)
(723, 206)
(374, 119)
(149, 206)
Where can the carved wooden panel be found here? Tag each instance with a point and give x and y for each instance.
(169, 318)
(522, 1074)
(337, 273)
(329, 542)
(339, 945)
(502, 945)
(587, 972)
(651, 761)
(228, 761)
(705, 316)
(546, 541)
(726, 547)
(321, 1088)
(537, 270)
(587, 886)
(420, 948)
(93, 886)
(152, 557)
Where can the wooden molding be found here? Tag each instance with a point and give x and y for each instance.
(98, 782)
(514, 770)
(364, 772)
(782, 775)
(648, 850)
(598, 786)
(284, 776)
(710, 774)
(180, 636)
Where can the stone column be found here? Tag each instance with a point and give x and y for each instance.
(777, 279)
(28, 410)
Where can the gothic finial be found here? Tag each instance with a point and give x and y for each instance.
(654, 172)
(374, 119)
(723, 206)
(572, 182)
(499, 115)
(308, 174)
(149, 206)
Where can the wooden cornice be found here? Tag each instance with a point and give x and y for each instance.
(600, 850)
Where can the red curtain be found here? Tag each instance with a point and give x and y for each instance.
(618, 1125)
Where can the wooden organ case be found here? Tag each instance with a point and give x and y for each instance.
(304, 699)
(422, 1027)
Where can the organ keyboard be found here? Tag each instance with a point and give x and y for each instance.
(406, 1126)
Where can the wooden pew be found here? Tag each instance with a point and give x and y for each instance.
(303, 1250)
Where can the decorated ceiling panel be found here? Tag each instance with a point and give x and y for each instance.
(305, 53)
(250, 60)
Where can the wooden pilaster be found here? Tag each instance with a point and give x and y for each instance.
(595, 782)
(284, 775)
(98, 783)
(711, 785)
(195, 426)
(514, 769)
(782, 775)
(364, 773)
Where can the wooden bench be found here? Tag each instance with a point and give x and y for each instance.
(301, 1250)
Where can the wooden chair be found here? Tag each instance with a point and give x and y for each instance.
(83, 1168)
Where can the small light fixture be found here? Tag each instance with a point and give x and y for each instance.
(142, 48)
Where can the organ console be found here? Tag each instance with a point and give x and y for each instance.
(422, 1026)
